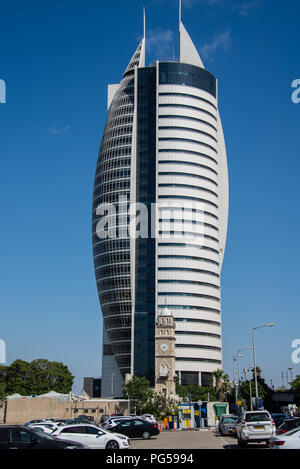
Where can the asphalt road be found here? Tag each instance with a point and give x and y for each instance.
(202, 439)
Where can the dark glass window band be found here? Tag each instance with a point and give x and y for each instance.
(177, 73)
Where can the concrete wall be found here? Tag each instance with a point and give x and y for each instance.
(19, 411)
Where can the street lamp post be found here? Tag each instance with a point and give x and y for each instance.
(239, 371)
(112, 383)
(271, 324)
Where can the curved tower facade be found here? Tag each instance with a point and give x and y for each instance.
(162, 156)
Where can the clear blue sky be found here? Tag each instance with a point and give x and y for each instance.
(57, 58)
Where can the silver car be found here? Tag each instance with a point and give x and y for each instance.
(227, 424)
(255, 426)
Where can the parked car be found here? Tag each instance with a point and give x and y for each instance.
(288, 425)
(279, 418)
(25, 437)
(136, 428)
(149, 417)
(35, 421)
(255, 426)
(46, 427)
(89, 418)
(92, 436)
(104, 417)
(289, 440)
(113, 420)
(227, 424)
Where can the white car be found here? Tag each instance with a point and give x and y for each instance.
(92, 436)
(288, 440)
(149, 417)
(255, 426)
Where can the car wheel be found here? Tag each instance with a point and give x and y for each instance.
(146, 435)
(112, 444)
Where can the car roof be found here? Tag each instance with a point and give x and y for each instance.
(79, 425)
(256, 412)
(22, 427)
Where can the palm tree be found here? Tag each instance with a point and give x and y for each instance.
(222, 384)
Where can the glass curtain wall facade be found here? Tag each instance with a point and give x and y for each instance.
(162, 144)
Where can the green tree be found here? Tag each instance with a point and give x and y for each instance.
(222, 384)
(2, 392)
(160, 406)
(38, 377)
(295, 387)
(195, 392)
(139, 392)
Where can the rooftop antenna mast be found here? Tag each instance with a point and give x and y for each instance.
(179, 27)
(144, 15)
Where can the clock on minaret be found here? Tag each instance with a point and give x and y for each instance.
(165, 354)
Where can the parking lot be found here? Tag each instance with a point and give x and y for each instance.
(202, 439)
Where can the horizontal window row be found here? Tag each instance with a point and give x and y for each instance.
(201, 321)
(112, 257)
(186, 95)
(188, 118)
(113, 269)
(189, 307)
(115, 142)
(188, 233)
(188, 163)
(187, 210)
(110, 186)
(186, 197)
(188, 245)
(193, 258)
(196, 295)
(201, 360)
(116, 309)
(117, 132)
(186, 106)
(122, 100)
(112, 198)
(203, 334)
(120, 164)
(119, 334)
(185, 221)
(115, 296)
(111, 175)
(118, 121)
(188, 140)
(197, 176)
(189, 282)
(111, 245)
(121, 111)
(188, 129)
(204, 347)
(187, 152)
(113, 159)
(113, 283)
(118, 321)
(188, 269)
(122, 348)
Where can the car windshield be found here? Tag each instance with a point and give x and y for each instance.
(43, 434)
(257, 417)
(230, 419)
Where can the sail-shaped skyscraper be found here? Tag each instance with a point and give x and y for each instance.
(163, 148)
